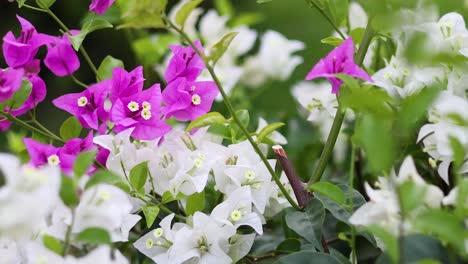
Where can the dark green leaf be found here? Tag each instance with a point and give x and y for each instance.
(219, 48)
(83, 162)
(289, 245)
(150, 212)
(207, 120)
(138, 175)
(52, 243)
(71, 128)
(389, 240)
(308, 224)
(307, 257)
(195, 202)
(263, 1)
(68, 191)
(94, 235)
(185, 11)
(330, 190)
(93, 24)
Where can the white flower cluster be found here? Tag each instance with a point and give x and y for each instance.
(274, 60)
(30, 208)
(180, 165)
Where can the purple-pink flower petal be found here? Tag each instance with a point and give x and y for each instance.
(185, 63)
(10, 82)
(61, 58)
(100, 6)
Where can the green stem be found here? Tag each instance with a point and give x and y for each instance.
(351, 204)
(330, 21)
(235, 118)
(37, 123)
(67, 242)
(20, 122)
(78, 81)
(340, 113)
(34, 8)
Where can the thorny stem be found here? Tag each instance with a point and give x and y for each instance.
(330, 21)
(340, 113)
(231, 111)
(20, 122)
(66, 29)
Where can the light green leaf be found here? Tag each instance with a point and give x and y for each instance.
(339, 10)
(185, 11)
(143, 13)
(19, 97)
(52, 243)
(44, 4)
(267, 130)
(207, 120)
(83, 162)
(68, 191)
(263, 1)
(93, 24)
(224, 7)
(151, 49)
(308, 224)
(138, 175)
(107, 177)
(334, 41)
(21, 3)
(71, 128)
(410, 194)
(330, 190)
(94, 235)
(15, 141)
(150, 212)
(357, 34)
(108, 64)
(219, 48)
(458, 151)
(195, 202)
(307, 257)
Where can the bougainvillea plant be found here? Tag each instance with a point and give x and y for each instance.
(171, 171)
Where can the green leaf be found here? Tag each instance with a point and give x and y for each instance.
(411, 194)
(151, 49)
(340, 211)
(108, 64)
(71, 128)
(21, 3)
(107, 177)
(207, 120)
(83, 162)
(458, 151)
(52, 243)
(334, 41)
(15, 141)
(289, 245)
(244, 118)
(138, 175)
(45, 4)
(339, 10)
(267, 130)
(246, 19)
(94, 235)
(185, 11)
(388, 239)
(224, 7)
(308, 224)
(68, 191)
(150, 212)
(452, 230)
(357, 34)
(93, 24)
(219, 48)
(143, 13)
(195, 202)
(374, 134)
(220, 130)
(330, 190)
(19, 97)
(307, 257)
(167, 197)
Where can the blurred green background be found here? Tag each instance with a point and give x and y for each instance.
(294, 19)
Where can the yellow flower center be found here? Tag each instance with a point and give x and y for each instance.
(149, 243)
(133, 106)
(198, 163)
(146, 114)
(53, 160)
(196, 100)
(250, 175)
(236, 215)
(158, 232)
(82, 101)
(146, 105)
